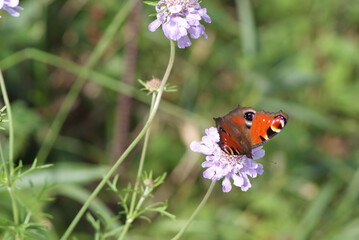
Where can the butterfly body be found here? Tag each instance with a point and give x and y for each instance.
(244, 128)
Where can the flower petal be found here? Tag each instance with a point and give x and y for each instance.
(196, 31)
(11, 3)
(237, 180)
(12, 10)
(175, 28)
(193, 19)
(246, 183)
(154, 25)
(213, 133)
(184, 42)
(209, 173)
(207, 164)
(195, 146)
(203, 13)
(258, 153)
(226, 185)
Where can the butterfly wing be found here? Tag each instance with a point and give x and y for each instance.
(244, 128)
(234, 134)
(265, 126)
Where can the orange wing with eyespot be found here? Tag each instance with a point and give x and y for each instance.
(265, 126)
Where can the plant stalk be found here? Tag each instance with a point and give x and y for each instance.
(9, 166)
(127, 151)
(142, 160)
(194, 214)
(133, 211)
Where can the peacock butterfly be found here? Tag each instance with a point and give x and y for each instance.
(244, 128)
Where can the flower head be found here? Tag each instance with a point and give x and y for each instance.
(154, 85)
(11, 6)
(221, 165)
(178, 18)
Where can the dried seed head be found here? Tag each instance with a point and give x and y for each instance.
(153, 85)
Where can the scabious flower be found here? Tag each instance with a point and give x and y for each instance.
(154, 85)
(221, 165)
(178, 18)
(11, 6)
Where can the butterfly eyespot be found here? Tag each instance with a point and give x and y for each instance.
(283, 120)
(249, 116)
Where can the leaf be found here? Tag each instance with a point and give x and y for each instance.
(154, 4)
(63, 173)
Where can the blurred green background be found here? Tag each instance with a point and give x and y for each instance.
(298, 56)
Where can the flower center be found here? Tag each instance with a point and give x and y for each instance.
(231, 159)
(184, 3)
(153, 85)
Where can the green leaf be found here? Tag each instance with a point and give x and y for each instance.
(63, 173)
(154, 4)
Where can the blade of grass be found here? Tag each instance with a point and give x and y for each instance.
(81, 195)
(344, 211)
(100, 79)
(59, 120)
(63, 173)
(247, 27)
(315, 212)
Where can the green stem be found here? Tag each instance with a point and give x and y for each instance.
(127, 151)
(194, 214)
(133, 211)
(98, 78)
(10, 189)
(247, 26)
(142, 160)
(142, 199)
(7, 174)
(80, 81)
(11, 126)
(134, 214)
(11, 151)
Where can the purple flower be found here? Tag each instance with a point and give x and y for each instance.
(221, 165)
(10, 6)
(178, 18)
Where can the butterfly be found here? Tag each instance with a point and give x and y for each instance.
(244, 128)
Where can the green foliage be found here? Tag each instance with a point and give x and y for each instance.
(300, 57)
(102, 227)
(30, 205)
(144, 192)
(154, 4)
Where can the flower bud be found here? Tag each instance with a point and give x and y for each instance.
(149, 182)
(153, 85)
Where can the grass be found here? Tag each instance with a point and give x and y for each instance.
(300, 58)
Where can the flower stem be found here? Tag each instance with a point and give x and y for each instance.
(194, 214)
(9, 167)
(80, 81)
(132, 212)
(142, 160)
(131, 218)
(10, 189)
(11, 126)
(128, 150)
